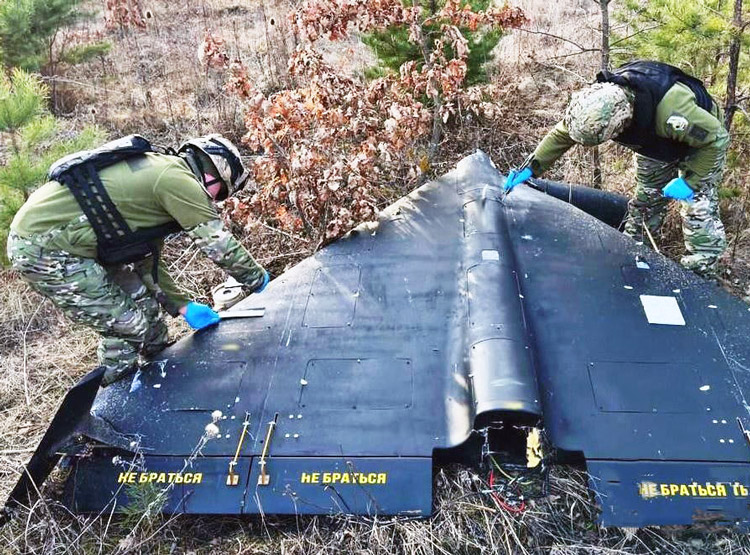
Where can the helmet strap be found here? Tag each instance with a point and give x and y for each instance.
(209, 179)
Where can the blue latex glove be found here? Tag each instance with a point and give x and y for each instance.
(678, 189)
(200, 316)
(516, 177)
(266, 279)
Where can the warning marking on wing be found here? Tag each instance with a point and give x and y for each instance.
(371, 478)
(160, 478)
(650, 490)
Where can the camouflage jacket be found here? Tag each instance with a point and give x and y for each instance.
(678, 117)
(148, 191)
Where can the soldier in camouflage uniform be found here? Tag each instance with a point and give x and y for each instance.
(668, 118)
(53, 246)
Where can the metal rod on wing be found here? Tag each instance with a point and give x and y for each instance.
(264, 478)
(247, 313)
(233, 478)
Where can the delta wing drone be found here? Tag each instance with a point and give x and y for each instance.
(453, 329)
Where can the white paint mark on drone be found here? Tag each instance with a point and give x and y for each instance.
(162, 367)
(135, 385)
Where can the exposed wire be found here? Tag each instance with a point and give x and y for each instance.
(500, 501)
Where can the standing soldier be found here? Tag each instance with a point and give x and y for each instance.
(89, 239)
(671, 122)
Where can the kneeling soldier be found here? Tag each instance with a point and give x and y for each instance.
(89, 239)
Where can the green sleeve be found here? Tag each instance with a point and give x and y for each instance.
(220, 245)
(553, 145)
(679, 118)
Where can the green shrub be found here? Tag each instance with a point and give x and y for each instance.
(393, 48)
(36, 140)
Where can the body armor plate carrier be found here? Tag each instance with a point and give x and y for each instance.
(116, 242)
(650, 81)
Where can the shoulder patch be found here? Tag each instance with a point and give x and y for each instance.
(698, 133)
(678, 123)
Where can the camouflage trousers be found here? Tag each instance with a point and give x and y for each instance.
(118, 302)
(702, 229)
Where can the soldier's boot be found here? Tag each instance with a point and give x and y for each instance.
(120, 358)
(115, 367)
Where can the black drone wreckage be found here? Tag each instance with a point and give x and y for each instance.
(453, 329)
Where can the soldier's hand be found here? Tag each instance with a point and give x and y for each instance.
(200, 316)
(516, 177)
(678, 189)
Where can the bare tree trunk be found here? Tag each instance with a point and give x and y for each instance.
(437, 122)
(604, 6)
(596, 157)
(730, 107)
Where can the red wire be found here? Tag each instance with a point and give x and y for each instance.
(499, 500)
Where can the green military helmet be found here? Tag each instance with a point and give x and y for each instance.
(598, 113)
(223, 156)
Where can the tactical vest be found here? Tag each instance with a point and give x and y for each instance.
(116, 242)
(650, 81)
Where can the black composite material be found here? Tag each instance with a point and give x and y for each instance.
(460, 308)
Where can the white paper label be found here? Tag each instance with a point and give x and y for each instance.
(662, 310)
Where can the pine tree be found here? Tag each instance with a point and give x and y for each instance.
(694, 35)
(28, 29)
(35, 142)
(393, 48)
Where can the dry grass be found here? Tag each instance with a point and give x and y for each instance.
(466, 521)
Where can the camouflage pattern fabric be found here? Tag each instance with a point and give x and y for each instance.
(702, 229)
(598, 113)
(216, 242)
(115, 301)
